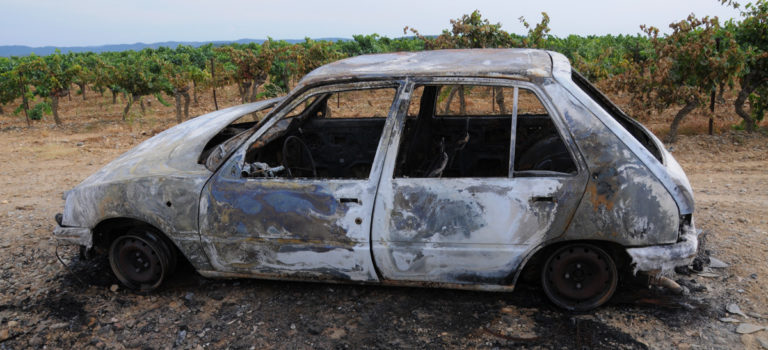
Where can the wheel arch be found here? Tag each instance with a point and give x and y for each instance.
(105, 232)
(535, 258)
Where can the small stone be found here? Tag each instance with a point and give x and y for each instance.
(36, 341)
(80, 144)
(114, 288)
(293, 326)
(748, 328)
(59, 325)
(763, 342)
(729, 320)
(735, 309)
(5, 202)
(180, 337)
(717, 263)
(4, 334)
(12, 324)
(743, 220)
(753, 276)
(189, 296)
(709, 275)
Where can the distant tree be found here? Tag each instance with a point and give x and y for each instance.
(249, 67)
(88, 63)
(752, 35)
(6, 93)
(138, 74)
(312, 54)
(178, 71)
(54, 79)
(469, 31)
(15, 78)
(683, 69)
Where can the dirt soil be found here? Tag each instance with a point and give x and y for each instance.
(76, 304)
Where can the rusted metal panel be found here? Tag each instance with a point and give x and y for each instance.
(281, 227)
(312, 228)
(624, 202)
(157, 182)
(489, 63)
(74, 235)
(466, 230)
(669, 173)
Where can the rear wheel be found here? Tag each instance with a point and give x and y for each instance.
(579, 277)
(141, 259)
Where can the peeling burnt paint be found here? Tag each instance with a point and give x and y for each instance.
(141, 182)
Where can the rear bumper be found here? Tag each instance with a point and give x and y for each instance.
(74, 235)
(664, 258)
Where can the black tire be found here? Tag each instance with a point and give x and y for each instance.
(141, 259)
(579, 277)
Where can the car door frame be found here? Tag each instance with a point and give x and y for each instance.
(316, 259)
(508, 257)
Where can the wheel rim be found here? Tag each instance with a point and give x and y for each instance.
(138, 262)
(579, 277)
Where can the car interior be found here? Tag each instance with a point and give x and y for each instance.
(451, 131)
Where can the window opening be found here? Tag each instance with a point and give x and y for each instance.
(466, 131)
(539, 148)
(333, 136)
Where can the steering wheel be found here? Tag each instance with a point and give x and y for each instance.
(297, 158)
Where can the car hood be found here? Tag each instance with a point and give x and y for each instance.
(175, 151)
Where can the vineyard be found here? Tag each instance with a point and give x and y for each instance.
(64, 116)
(659, 78)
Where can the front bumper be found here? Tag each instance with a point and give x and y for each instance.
(74, 235)
(664, 258)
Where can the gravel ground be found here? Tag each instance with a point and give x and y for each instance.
(45, 303)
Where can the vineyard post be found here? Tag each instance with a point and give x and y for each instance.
(213, 77)
(712, 98)
(25, 102)
(712, 112)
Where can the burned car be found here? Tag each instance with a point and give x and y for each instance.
(452, 168)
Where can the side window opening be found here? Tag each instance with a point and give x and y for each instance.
(456, 131)
(334, 136)
(538, 145)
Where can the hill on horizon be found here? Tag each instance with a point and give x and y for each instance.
(22, 50)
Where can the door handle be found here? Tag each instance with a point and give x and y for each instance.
(350, 200)
(543, 199)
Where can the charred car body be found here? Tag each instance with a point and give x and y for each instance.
(455, 168)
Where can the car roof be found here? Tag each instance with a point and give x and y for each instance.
(508, 63)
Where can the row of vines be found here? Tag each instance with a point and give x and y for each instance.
(685, 69)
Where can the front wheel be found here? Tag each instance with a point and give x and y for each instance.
(141, 259)
(579, 277)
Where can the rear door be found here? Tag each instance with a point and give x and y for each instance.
(477, 174)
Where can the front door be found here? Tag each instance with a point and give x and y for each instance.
(476, 177)
(296, 201)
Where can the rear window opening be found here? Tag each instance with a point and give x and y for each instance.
(632, 126)
(461, 131)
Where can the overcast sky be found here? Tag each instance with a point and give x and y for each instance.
(99, 22)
